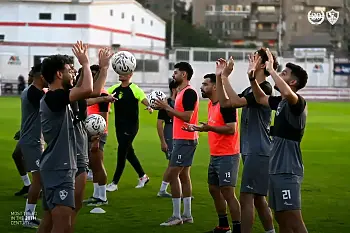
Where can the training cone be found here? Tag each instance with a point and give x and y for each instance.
(97, 211)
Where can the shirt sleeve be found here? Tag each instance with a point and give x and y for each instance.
(267, 89)
(34, 96)
(103, 106)
(229, 114)
(57, 100)
(189, 100)
(138, 92)
(299, 107)
(162, 115)
(111, 89)
(274, 101)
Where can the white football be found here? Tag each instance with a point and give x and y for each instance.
(153, 96)
(123, 63)
(95, 124)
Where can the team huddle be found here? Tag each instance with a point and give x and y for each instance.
(57, 150)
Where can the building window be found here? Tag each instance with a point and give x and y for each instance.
(151, 22)
(239, 8)
(225, 8)
(298, 8)
(218, 8)
(70, 17)
(45, 16)
(123, 15)
(111, 12)
(273, 26)
(2, 37)
(247, 8)
(320, 8)
(266, 9)
(260, 26)
(142, 20)
(295, 26)
(210, 8)
(132, 18)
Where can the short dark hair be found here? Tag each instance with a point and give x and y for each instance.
(69, 59)
(172, 84)
(185, 66)
(262, 53)
(36, 70)
(299, 73)
(211, 76)
(51, 65)
(94, 68)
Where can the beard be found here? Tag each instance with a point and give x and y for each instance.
(204, 95)
(67, 85)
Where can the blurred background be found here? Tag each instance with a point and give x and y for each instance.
(162, 32)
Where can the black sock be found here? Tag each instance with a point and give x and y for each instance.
(223, 221)
(236, 227)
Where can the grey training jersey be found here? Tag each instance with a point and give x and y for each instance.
(255, 124)
(58, 130)
(286, 157)
(79, 110)
(30, 123)
(82, 145)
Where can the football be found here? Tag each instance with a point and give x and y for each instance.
(123, 63)
(153, 96)
(95, 124)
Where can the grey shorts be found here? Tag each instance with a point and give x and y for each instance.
(169, 142)
(183, 153)
(31, 156)
(255, 176)
(81, 170)
(285, 192)
(102, 142)
(223, 170)
(58, 188)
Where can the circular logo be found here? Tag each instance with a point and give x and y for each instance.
(316, 18)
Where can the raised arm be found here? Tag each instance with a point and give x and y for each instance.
(85, 89)
(284, 88)
(223, 99)
(104, 57)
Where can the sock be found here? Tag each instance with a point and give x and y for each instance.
(271, 231)
(30, 209)
(223, 221)
(177, 207)
(96, 192)
(164, 186)
(236, 226)
(26, 180)
(187, 206)
(102, 192)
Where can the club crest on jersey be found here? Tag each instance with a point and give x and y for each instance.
(37, 162)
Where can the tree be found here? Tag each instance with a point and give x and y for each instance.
(187, 35)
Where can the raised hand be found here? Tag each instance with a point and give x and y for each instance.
(254, 62)
(269, 63)
(104, 57)
(80, 51)
(229, 67)
(220, 66)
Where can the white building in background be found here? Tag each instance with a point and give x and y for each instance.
(33, 29)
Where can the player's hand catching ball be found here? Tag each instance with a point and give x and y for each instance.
(161, 104)
(80, 51)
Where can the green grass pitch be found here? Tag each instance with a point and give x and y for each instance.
(325, 191)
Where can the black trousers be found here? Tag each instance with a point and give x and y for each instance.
(126, 151)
